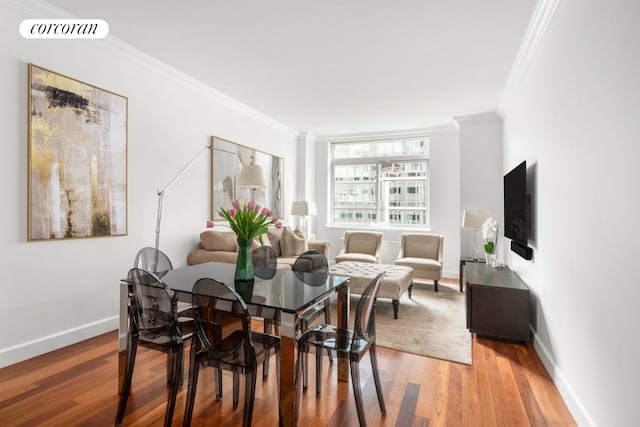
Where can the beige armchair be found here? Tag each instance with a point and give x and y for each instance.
(362, 246)
(423, 253)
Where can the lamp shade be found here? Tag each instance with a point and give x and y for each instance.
(474, 218)
(304, 208)
(251, 176)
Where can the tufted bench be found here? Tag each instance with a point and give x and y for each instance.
(397, 279)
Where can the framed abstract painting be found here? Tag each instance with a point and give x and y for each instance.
(227, 160)
(77, 158)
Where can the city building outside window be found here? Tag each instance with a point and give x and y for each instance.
(380, 182)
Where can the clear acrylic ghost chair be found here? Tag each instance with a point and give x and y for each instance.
(224, 340)
(353, 344)
(154, 324)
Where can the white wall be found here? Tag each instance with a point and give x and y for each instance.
(574, 118)
(58, 292)
(481, 175)
(444, 162)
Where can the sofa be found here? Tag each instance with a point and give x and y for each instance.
(288, 244)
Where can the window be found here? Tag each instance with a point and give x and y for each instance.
(380, 181)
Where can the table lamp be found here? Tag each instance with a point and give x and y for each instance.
(474, 218)
(303, 209)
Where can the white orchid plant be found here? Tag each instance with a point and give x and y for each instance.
(489, 234)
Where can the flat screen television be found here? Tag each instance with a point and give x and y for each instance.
(515, 205)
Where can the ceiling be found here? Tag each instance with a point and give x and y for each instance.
(332, 66)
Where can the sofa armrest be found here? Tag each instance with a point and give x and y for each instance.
(322, 246)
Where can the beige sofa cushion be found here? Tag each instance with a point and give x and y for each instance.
(200, 256)
(212, 240)
(292, 242)
(226, 241)
(274, 234)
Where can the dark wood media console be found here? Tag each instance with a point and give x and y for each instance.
(497, 302)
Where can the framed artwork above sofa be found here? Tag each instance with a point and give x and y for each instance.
(227, 160)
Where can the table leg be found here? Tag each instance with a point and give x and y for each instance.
(288, 352)
(343, 322)
(123, 325)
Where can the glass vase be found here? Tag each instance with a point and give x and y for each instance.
(490, 259)
(244, 263)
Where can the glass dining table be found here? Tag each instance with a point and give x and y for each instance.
(284, 296)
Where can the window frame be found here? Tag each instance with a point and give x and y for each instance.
(378, 161)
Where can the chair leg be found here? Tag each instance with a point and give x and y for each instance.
(318, 370)
(298, 379)
(191, 389)
(171, 366)
(236, 388)
(305, 357)
(357, 392)
(218, 376)
(176, 361)
(327, 319)
(410, 289)
(265, 362)
(132, 345)
(435, 285)
(249, 397)
(304, 362)
(376, 377)
(278, 372)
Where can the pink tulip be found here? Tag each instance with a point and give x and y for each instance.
(209, 224)
(265, 212)
(251, 204)
(232, 213)
(257, 208)
(235, 204)
(278, 224)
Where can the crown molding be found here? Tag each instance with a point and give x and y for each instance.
(372, 136)
(489, 116)
(120, 48)
(540, 20)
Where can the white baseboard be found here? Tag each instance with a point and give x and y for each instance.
(576, 407)
(29, 349)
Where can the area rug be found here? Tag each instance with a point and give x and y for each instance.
(431, 324)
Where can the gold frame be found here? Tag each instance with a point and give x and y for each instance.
(230, 156)
(77, 160)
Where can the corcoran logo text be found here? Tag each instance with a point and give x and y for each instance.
(64, 29)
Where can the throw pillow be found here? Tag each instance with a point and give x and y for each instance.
(219, 241)
(293, 243)
(274, 234)
(256, 242)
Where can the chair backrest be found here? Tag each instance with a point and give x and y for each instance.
(222, 322)
(153, 309)
(422, 246)
(146, 260)
(362, 242)
(364, 327)
(311, 267)
(265, 262)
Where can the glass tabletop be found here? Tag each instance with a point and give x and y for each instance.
(285, 291)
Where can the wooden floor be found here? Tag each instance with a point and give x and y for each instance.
(77, 386)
